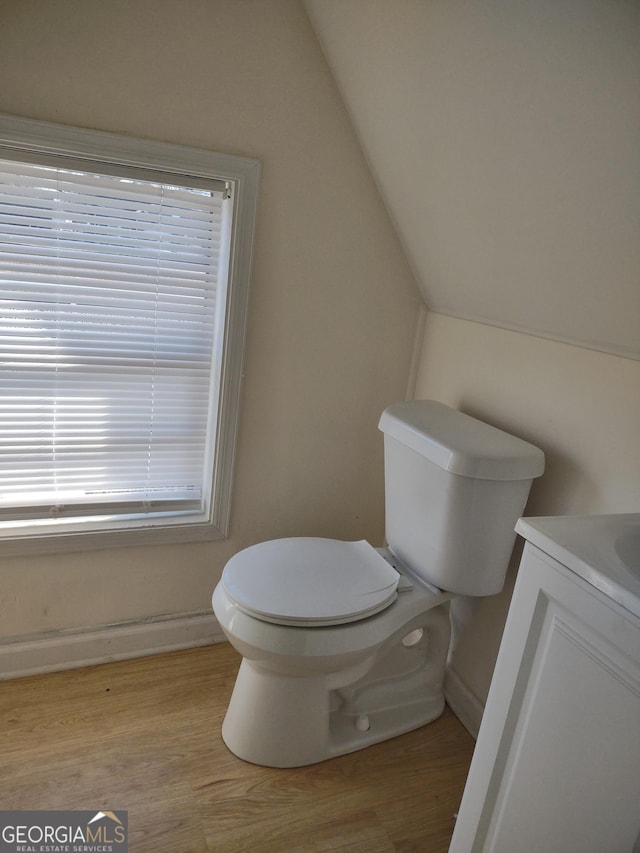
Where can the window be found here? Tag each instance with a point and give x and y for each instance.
(124, 269)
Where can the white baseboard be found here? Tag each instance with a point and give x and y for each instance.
(464, 704)
(87, 646)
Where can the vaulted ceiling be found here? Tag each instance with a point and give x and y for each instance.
(505, 141)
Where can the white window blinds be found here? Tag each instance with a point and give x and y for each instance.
(108, 317)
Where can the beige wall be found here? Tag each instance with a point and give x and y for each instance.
(581, 407)
(503, 137)
(333, 305)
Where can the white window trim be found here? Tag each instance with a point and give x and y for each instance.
(28, 137)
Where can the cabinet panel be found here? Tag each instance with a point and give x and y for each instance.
(557, 763)
(562, 756)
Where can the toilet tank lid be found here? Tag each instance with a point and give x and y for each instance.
(459, 443)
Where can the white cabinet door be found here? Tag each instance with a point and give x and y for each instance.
(557, 763)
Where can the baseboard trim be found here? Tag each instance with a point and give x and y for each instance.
(71, 649)
(463, 702)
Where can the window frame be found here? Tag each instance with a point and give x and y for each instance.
(35, 141)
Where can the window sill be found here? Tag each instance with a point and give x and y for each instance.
(108, 536)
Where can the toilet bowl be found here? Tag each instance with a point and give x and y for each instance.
(343, 644)
(307, 692)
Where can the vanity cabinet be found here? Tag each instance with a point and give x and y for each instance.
(556, 767)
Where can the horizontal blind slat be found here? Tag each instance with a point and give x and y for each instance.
(107, 308)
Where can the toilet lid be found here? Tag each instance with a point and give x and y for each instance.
(309, 581)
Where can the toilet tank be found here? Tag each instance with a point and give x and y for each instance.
(454, 489)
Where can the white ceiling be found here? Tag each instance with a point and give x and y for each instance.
(505, 140)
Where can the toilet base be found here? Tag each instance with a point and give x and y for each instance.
(280, 720)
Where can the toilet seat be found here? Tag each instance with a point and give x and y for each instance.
(309, 582)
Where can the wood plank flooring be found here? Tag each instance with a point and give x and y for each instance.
(144, 735)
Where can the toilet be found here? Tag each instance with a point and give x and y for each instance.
(344, 644)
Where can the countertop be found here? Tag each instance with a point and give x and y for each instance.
(604, 550)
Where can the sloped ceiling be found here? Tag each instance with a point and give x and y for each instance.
(505, 140)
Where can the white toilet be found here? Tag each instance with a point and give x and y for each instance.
(344, 644)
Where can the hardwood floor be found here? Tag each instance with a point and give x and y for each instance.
(144, 735)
